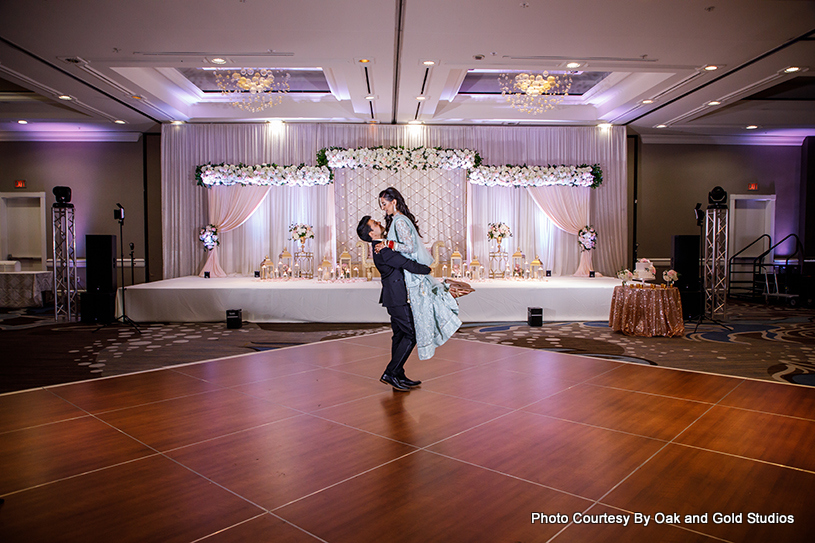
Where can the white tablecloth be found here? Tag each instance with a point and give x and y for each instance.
(24, 289)
(10, 265)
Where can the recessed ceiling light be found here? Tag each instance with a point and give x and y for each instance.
(711, 67)
(714, 103)
(21, 121)
(136, 97)
(64, 97)
(662, 126)
(429, 63)
(119, 121)
(370, 97)
(751, 127)
(177, 122)
(421, 97)
(792, 69)
(647, 101)
(218, 60)
(415, 122)
(604, 126)
(365, 60)
(573, 65)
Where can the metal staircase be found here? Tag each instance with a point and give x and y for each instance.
(783, 281)
(746, 280)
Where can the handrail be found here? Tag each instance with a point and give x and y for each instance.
(799, 248)
(751, 244)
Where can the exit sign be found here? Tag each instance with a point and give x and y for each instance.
(19, 184)
(752, 186)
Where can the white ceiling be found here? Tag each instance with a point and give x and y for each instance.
(653, 49)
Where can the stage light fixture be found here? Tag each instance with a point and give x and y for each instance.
(63, 196)
(717, 198)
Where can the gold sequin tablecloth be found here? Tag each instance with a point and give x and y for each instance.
(646, 311)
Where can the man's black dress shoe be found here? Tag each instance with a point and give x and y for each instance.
(395, 382)
(409, 382)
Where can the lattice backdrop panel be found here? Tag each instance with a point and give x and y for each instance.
(437, 198)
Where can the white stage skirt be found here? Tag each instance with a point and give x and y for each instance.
(195, 299)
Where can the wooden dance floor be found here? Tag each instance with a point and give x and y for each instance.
(500, 443)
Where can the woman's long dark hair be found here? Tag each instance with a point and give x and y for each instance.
(391, 194)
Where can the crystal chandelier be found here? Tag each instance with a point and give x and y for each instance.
(535, 93)
(253, 89)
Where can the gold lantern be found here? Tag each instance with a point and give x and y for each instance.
(475, 268)
(456, 265)
(537, 268)
(345, 263)
(326, 269)
(267, 268)
(284, 264)
(518, 263)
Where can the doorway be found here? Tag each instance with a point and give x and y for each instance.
(751, 215)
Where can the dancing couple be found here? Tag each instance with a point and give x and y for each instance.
(423, 310)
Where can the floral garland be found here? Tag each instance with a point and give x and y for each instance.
(587, 238)
(499, 231)
(537, 176)
(301, 232)
(399, 158)
(209, 237)
(209, 175)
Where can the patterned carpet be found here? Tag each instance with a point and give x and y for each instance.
(766, 342)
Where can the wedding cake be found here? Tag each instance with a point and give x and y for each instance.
(644, 270)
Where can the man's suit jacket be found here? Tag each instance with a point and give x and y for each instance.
(390, 265)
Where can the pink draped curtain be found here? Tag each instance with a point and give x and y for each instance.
(230, 207)
(568, 208)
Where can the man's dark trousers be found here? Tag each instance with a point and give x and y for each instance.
(404, 338)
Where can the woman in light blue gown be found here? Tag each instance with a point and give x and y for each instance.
(435, 311)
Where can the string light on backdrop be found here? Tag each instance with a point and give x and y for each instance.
(535, 93)
(253, 89)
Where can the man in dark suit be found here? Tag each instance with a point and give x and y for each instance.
(394, 297)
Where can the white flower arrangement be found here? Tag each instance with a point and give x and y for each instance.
(625, 275)
(400, 158)
(262, 174)
(587, 238)
(209, 236)
(670, 276)
(499, 231)
(301, 232)
(535, 176)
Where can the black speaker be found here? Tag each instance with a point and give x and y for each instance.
(685, 260)
(100, 263)
(97, 307)
(234, 318)
(691, 303)
(534, 316)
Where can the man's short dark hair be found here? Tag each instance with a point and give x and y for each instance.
(364, 229)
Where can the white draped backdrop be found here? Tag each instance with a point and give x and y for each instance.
(447, 207)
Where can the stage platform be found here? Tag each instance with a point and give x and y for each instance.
(195, 299)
